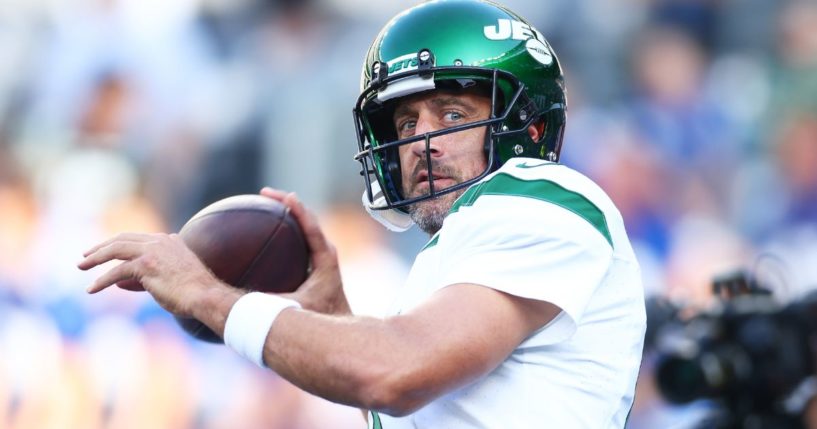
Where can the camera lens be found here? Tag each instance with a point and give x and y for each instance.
(680, 380)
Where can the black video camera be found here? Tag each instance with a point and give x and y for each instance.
(752, 356)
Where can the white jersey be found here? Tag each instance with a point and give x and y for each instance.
(539, 230)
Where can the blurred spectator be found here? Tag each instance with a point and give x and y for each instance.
(637, 176)
(792, 235)
(703, 248)
(796, 154)
(310, 87)
(795, 83)
(671, 111)
(18, 222)
(696, 18)
(82, 182)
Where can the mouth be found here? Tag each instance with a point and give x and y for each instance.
(421, 184)
(422, 177)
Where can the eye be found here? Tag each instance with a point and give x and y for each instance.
(453, 116)
(406, 127)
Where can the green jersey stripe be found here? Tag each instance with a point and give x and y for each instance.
(540, 189)
(432, 242)
(376, 421)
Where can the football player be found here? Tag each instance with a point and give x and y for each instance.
(524, 309)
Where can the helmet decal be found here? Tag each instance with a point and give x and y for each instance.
(408, 62)
(403, 63)
(539, 51)
(511, 29)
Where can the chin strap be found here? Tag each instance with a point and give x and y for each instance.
(393, 220)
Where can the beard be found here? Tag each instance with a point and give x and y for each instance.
(430, 214)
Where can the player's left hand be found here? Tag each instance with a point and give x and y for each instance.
(161, 263)
(323, 289)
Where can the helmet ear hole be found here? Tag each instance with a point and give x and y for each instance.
(536, 130)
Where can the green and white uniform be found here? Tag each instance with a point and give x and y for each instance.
(543, 231)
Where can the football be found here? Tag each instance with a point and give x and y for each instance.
(250, 242)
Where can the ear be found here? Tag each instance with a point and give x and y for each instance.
(537, 130)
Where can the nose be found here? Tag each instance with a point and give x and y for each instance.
(425, 124)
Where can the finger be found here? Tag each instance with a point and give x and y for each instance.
(131, 285)
(120, 273)
(309, 225)
(125, 236)
(275, 194)
(122, 250)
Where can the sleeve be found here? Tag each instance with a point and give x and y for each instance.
(527, 248)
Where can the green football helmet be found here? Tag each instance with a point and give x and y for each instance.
(453, 44)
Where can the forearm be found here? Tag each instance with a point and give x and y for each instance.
(357, 361)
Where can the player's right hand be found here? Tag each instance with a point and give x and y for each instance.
(160, 263)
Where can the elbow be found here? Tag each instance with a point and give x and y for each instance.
(395, 393)
(395, 405)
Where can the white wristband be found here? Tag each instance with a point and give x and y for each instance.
(249, 322)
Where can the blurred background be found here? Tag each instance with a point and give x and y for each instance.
(699, 117)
